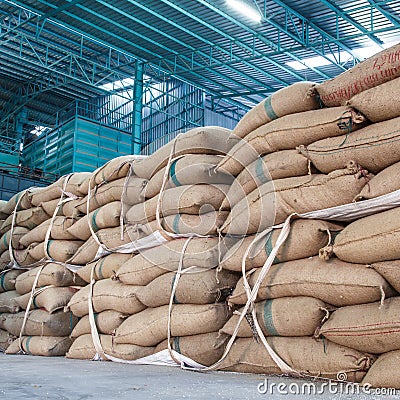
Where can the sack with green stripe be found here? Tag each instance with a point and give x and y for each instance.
(289, 132)
(306, 238)
(50, 298)
(8, 278)
(51, 274)
(46, 346)
(104, 268)
(39, 323)
(199, 140)
(188, 170)
(205, 348)
(58, 250)
(334, 282)
(293, 99)
(203, 224)
(285, 316)
(197, 286)
(17, 234)
(279, 165)
(107, 216)
(30, 218)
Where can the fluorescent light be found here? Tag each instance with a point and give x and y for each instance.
(111, 86)
(38, 130)
(245, 9)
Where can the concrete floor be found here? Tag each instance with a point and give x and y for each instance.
(28, 377)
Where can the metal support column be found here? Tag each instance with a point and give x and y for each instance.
(138, 107)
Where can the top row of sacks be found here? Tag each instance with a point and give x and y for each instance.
(345, 89)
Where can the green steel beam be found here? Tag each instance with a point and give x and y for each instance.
(138, 108)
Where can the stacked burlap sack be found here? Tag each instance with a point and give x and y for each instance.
(37, 244)
(180, 194)
(358, 289)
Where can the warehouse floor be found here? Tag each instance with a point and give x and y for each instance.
(28, 377)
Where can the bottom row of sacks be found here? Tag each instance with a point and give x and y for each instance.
(327, 319)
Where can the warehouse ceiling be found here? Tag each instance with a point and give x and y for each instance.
(55, 51)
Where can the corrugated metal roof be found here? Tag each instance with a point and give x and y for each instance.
(205, 42)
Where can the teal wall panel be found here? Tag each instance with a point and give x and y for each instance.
(76, 146)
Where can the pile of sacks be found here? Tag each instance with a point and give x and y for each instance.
(327, 311)
(198, 250)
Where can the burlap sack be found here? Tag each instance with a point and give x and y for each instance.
(59, 231)
(51, 298)
(50, 207)
(204, 224)
(5, 260)
(17, 234)
(39, 323)
(115, 169)
(48, 193)
(23, 200)
(51, 274)
(114, 191)
(3, 214)
(83, 349)
(319, 358)
(111, 238)
(107, 216)
(23, 257)
(193, 199)
(46, 346)
(30, 218)
(285, 316)
(370, 239)
(5, 340)
(390, 270)
(334, 282)
(279, 165)
(76, 183)
(305, 239)
(8, 302)
(188, 170)
(384, 372)
(106, 322)
(373, 328)
(199, 286)
(375, 147)
(201, 140)
(105, 267)
(70, 209)
(58, 250)
(149, 264)
(373, 71)
(293, 99)
(149, 327)
(205, 349)
(378, 103)
(107, 295)
(290, 131)
(7, 279)
(385, 182)
(274, 201)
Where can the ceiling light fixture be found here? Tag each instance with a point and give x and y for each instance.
(245, 9)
